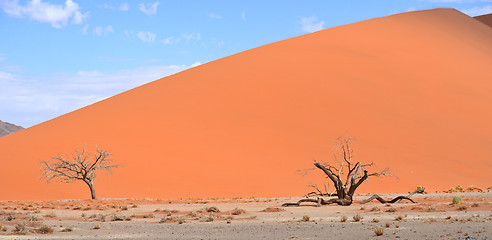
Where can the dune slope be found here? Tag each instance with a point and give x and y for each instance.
(412, 88)
(486, 19)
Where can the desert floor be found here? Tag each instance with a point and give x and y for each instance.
(432, 217)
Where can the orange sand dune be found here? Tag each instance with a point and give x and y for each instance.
(487, 19)
(413, 88)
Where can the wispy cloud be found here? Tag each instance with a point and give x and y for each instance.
(56, 15)
(103, 30)
(243, 15)
(47, 97)
(84, 29)
(191, 36)
(477, 11)
(146, 36)
(214, 16)
(148, 8)
(311, 24)
(169, 40)
(122, 7)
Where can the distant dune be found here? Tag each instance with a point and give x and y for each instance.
(414, 89)
(487, 19)
(8, 128)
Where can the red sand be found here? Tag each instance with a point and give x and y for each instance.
(487, 19)
(413, 88)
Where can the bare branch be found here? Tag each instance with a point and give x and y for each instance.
(81, 167)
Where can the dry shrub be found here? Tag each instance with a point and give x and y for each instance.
(375, 209)
(391, 209)
(357, 217)
(51, 214)
(97, 226)
(431, 208)
(44, 229)
(462, 207)
(475, 205)
(305, 218)
(459, 188)
(343, 219)
(379, 231)
(20, 228)
(238, 211)
(375, 220)
(273, 209)
(387, 224)
(398, 218)
(150, 215)
(67, 229)
(213, 209)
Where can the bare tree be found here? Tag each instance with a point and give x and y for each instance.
(79, 166)
(346, 175)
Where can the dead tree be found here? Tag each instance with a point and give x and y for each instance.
(346, 176)
(79, 166)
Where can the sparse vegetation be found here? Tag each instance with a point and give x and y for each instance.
(305, 218)
(457, 200)
(343, 219)
(398, 218)
(273, 209)
(375, 220)
(97, 226)
(375, 209)
(45, 229)
(213, 209)
(357, 217)
(67, 229)
(475, 204)
(238, 211)
(387, 224)
(462, 207)
(20, 228)
(391, 209)
(379, 231)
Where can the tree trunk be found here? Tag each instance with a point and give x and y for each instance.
(91, 187)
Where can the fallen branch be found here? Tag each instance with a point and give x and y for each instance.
(381, 200)
(319, 202)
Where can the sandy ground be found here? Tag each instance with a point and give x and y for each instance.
(433, 217)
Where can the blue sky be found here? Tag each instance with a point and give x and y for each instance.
(58, 56)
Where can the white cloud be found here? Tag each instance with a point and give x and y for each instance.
(98, 30)
(84, 29)
(477, 11)
(311, 24)
(23, 97)
(191, 36)
(169, 40)
(146, 36)
(243, 15)
(57, 15)
(124, 7)
(148, 8)
(214, 16)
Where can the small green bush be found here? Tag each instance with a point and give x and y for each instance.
(457, 200)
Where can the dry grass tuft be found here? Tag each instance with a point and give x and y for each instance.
(379, 231)
(238, 211)
(44, 229)
(357, 217)
(273, 209)
(343, 219)
(305, 218)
